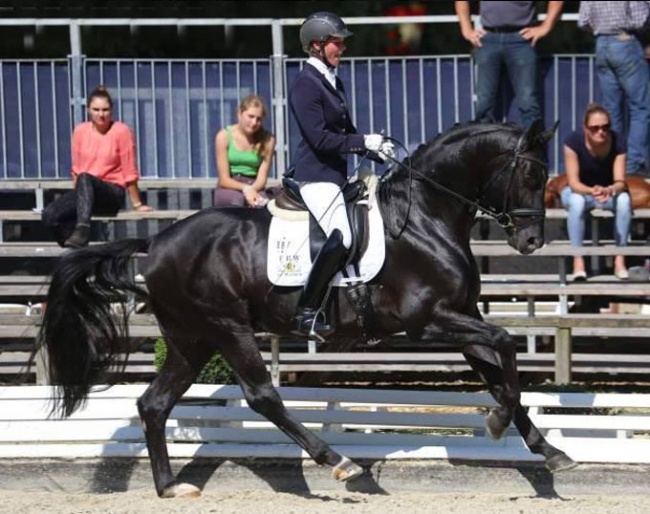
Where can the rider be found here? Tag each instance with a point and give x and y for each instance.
(317, 101)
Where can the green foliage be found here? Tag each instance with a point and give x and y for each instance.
(216, 371)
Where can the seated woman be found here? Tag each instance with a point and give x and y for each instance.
(244, 155)
(103, 168)
(595, 166)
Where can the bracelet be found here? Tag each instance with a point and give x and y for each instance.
(137, 205)
(247, 188)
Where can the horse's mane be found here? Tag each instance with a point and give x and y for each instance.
(448, 147)
(461, 131)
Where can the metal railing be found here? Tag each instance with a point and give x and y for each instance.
(176, 106)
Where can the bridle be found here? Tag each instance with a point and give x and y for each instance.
(506, 217)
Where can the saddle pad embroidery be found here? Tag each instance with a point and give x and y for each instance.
(288, 260)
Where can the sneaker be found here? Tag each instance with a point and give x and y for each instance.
(622, 274)
(580, 276)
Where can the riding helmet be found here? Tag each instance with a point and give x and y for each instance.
(320, 26)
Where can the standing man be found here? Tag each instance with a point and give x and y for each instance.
(622, 71)
(506, 39)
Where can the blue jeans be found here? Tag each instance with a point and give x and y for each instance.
(578, 205)
(623, 75)
(519, 58)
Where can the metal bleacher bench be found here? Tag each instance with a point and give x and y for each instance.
(39, 186)
(562, 361)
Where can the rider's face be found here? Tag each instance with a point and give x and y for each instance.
(334, 48)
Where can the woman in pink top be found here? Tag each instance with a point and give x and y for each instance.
(103, 168)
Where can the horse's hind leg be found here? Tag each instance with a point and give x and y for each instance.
(241, 352)
(484, 361)
(175, 377)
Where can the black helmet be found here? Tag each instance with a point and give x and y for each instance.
(320, 26)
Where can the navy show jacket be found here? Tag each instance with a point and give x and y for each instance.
(325, 126)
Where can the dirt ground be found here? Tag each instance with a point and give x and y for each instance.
(252, 502)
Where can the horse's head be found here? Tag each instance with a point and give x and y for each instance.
(494, 168)
(515, 188)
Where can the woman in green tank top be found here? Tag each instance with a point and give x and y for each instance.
(244, 155)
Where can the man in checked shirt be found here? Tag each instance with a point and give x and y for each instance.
(622, 70)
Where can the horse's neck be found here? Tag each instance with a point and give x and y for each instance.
(432, 214)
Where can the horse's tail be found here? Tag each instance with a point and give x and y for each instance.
(85, 324)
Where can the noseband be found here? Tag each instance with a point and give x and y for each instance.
(505, 218)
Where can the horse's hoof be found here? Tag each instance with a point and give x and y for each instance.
(493, 425)
(181, 491)
(346, 470)
(560, 462)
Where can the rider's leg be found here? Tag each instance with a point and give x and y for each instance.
(325, 201)
(329, 260)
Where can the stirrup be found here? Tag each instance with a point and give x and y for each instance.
(312, 324)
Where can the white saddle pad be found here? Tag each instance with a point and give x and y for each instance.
(288, 261)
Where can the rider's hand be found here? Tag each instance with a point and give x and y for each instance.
(387, 150)
(373, 142)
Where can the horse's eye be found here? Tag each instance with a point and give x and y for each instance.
(532, 178)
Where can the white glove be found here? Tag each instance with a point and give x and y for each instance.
(387, 150)
(373, 142)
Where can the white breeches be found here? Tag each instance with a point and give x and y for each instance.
(325, 201)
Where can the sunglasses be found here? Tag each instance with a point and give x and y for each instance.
(595, 128)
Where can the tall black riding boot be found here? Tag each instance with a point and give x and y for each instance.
(79, 237)
(85, 199)
(329, 260)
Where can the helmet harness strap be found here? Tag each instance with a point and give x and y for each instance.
(321, 54)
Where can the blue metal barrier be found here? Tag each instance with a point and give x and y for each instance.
(175, 107)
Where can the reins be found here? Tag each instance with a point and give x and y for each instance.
(503, 218)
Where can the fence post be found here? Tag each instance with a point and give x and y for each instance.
(279, 98)
(76, 73)
(562, 355)
(275, 360)
(42, 366)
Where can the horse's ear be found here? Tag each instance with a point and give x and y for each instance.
(537, 136)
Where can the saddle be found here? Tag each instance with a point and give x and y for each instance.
(286, 259)
(355, 195)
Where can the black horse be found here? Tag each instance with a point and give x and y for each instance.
(208, 288)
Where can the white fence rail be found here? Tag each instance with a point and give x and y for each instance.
(214, 421)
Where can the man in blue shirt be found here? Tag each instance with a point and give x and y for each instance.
(506, 41)
(622, 70)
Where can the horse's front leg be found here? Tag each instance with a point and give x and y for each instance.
(507, 391)
(484, 361)
(469, 332)
(241, 352)
(492, 354)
